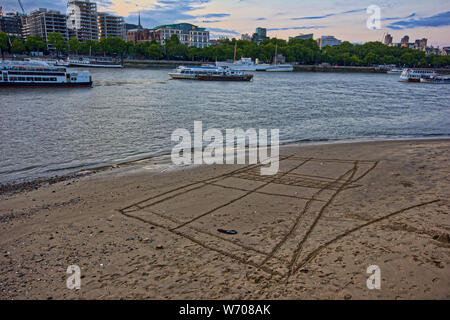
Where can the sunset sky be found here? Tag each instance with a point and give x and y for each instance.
(283, 18)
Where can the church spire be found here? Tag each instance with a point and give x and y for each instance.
(139, 21)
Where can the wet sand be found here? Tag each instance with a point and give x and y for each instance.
(143, 231)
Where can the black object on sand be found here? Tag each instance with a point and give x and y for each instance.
(232, 232)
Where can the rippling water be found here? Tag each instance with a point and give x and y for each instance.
(131, 114)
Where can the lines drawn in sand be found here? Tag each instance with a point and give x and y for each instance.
(315, 193)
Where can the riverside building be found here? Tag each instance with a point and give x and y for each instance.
(188, 34)
(82, 19)
(11, 24)
(41, 22)
(328, 41)
(110, 26)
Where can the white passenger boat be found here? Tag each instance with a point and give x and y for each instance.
(40, 74)
(62, 63)
(210, 73)
(245, 64)
(414, 75)
(394, 71)
(94, 62)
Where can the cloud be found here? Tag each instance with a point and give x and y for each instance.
(169, 11)
(330, 15)
(61, 5)
(438, 20)
(31, 5)
(216, 15)
(399, 18)
(220, 31)
(260, 19)
(213, 15)
(296, 28)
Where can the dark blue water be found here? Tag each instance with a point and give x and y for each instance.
(131, 114)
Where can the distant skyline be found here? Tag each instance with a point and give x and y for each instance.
(346, 20)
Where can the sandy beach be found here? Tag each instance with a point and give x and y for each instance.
(146, 231)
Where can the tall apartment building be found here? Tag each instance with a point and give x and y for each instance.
(11, 24)
(405, 41)
(260, 35)
(110, 26)
(328, 41)
(421, 44)
(41, 22)
(188, 34)
(82, 19)
(388, 40)
(445, 51)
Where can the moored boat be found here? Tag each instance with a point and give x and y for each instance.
(245, 64)
(276, 67)
(94, 62)
(414, 75)
(209, 73)
(41, 74)
(62, 63)
(439, 79)
(394, 71)
(280, 68)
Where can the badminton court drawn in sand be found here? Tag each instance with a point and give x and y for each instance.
(275, 215)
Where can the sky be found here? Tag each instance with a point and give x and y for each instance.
(346, 20)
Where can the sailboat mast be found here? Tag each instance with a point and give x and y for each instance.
(235, 50)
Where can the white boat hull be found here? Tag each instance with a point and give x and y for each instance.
(40, 74)
(281, 68)
(178, 76)
(246, 68)
(412, 75)
(94, 65)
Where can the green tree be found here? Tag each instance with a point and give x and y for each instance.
(370, 59)
(57, 41)
(154, 51)
(175, 49)
(35, 43)
(90, 47)
(389, 60)
(355, 61)
(104, 46)
(3, 43)
(407, 59)
(129, 48)
(193, 53)
(74, 45)
(17, 46)
(118, 46)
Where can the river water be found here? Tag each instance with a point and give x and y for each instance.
(131, 113)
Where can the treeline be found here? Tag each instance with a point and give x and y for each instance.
(296, 51)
